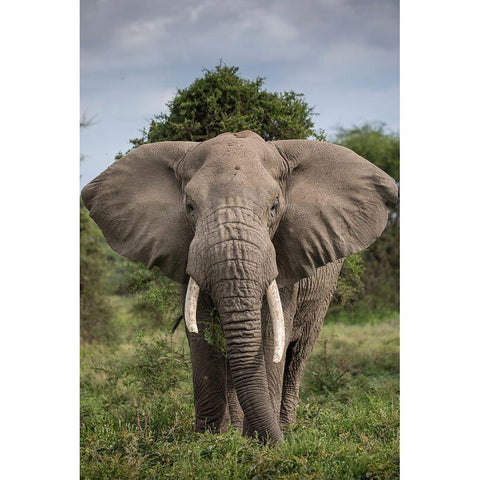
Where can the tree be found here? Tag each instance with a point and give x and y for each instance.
(380, 277)
(222, 101)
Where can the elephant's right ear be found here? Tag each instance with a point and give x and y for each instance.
(137, 203)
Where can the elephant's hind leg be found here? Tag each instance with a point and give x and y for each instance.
(296, 360)
(314, 295)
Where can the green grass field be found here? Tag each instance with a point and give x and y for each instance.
(137, 410)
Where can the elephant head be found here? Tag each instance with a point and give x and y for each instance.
(233, 217)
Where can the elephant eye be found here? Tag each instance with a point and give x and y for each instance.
(274, 207)
(189, 206)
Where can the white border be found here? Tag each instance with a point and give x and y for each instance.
(39, 239)
(440, 333)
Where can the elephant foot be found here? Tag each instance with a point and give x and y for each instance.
(205, 424)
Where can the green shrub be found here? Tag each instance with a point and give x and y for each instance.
(95, 309)
(158, 303)
(350, 287)
(222, 101)
(157, 299)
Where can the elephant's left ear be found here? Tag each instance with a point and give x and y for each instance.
(337, 204)
(137, 202)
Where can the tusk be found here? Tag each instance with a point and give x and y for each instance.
(276, 312)
(191, 300)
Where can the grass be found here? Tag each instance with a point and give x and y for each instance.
(137, 410)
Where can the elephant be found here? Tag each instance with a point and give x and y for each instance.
(256, 233)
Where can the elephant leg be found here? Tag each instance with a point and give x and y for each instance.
(297, 355)
(235, 412)
(294, 367)
(314, 295)
(209, 375)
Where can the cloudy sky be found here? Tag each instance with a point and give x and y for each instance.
(342, 54)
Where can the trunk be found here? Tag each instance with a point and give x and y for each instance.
(232, 258)
(242, 326)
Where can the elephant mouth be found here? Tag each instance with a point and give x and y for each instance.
(274, 304)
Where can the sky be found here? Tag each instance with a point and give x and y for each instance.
(343, 55)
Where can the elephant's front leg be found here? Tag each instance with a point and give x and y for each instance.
(208, 373)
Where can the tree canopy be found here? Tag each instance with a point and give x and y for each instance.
(372, 142)
(222, 101)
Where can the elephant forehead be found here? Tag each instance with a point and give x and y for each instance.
(236, 152)
(228, 151)
(237, 161)
(232, 180)
(231, 171)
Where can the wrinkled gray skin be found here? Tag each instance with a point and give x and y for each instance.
(235, 213)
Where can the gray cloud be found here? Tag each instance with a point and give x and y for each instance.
(342, 54)
(149, 32)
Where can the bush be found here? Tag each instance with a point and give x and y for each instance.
(157, 299)
(350, 286)
(95, 309)
(222, 101)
